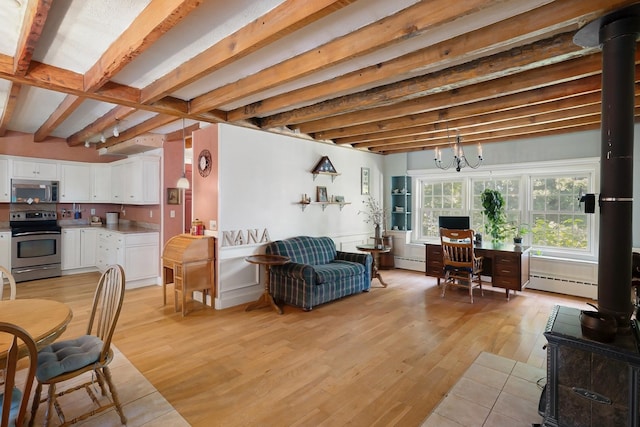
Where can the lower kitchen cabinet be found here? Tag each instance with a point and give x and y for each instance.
(5, 249)
(78, 248)
(137, 253)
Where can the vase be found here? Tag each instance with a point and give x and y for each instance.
(378, 237)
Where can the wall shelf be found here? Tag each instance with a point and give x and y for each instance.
(324, 205)
(332, 174)
(401, 203)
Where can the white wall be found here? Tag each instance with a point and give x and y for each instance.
(262, 176)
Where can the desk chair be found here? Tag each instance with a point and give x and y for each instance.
(14, 401)
(12, 282)
(66, 360)
(461, 265)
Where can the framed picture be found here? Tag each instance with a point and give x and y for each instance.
(322, 194)
(339, 199)
(173, 196)
(364, 180)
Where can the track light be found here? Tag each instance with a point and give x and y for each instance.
(116, 131)
(102, 138)
(87, 144)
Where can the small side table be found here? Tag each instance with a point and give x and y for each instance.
(266, 299)
(375, 251)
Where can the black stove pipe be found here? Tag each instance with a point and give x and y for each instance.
(617, 34)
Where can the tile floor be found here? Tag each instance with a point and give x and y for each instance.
(142, 404)
(493, 392)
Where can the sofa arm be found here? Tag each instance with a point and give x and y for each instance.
(360, 258)
(303, 272)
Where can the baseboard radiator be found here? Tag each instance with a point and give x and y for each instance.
(571, 277)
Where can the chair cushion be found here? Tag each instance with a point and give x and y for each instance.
(16, 396)
(305, 249)
(67, 356)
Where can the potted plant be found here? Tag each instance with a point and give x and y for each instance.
(493, 210)
(519, 230)
(376, 215)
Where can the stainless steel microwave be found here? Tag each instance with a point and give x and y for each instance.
(33, 191)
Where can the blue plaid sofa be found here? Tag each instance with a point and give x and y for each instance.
(317, 273)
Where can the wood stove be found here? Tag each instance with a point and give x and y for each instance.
(589, 383)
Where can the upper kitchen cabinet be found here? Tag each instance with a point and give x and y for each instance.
(101, 183)
(136, 181)
(5, 188)
(75, 182)
(34, 169)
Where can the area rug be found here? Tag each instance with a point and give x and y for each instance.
(494, 392)
(142, 404)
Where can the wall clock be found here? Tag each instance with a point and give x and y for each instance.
(204, 163)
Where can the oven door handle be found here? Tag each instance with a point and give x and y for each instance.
(30, 269)
(34, 233)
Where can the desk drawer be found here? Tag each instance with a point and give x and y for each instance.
(506, 282)
(506, 266)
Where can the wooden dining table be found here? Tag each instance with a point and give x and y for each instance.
(45, 320)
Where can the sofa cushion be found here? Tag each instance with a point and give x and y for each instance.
(305, 249)
(334, 271)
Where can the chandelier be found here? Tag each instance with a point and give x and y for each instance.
(459, 159)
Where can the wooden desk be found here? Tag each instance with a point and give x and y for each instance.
(375, 252)
(189, 262)
(506, 264)
(266, 299)
(45, 320)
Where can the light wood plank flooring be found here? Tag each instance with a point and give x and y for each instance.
(382, 358)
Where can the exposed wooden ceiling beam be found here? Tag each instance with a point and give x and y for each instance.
(520, 82)
(144, 127)
(155, 20)
(64, 110)
(9, 107)
(557, 49)
(34, 20)
(275, 24)
(117, 113)
(549, 18)
(528, 112)
(410, 22)
(586, 85)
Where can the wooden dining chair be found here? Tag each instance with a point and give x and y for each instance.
(461, 266)
(14, 400)
(66, 360)
(5, 273)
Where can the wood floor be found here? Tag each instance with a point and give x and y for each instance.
(382, 358)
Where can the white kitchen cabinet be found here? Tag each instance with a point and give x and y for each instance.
(118, 182)
(137, 253)
(34, 169)
(88, 245)
(142, 177)
(110, 249)
(101, 182)
(75, 182)
(142, 256)
(5, 181)
(70, 250)
(5, 249)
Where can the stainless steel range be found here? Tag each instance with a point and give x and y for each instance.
(35, 245)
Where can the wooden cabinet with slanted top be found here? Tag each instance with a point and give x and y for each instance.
(189, 262)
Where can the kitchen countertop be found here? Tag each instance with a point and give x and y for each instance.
(119, 228)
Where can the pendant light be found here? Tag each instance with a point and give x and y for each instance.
(183, 182)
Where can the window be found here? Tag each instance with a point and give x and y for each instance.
(557, 218)
(544, 196)
(513, 199)
(439, 198)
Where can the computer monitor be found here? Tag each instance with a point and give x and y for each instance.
(454, 222)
